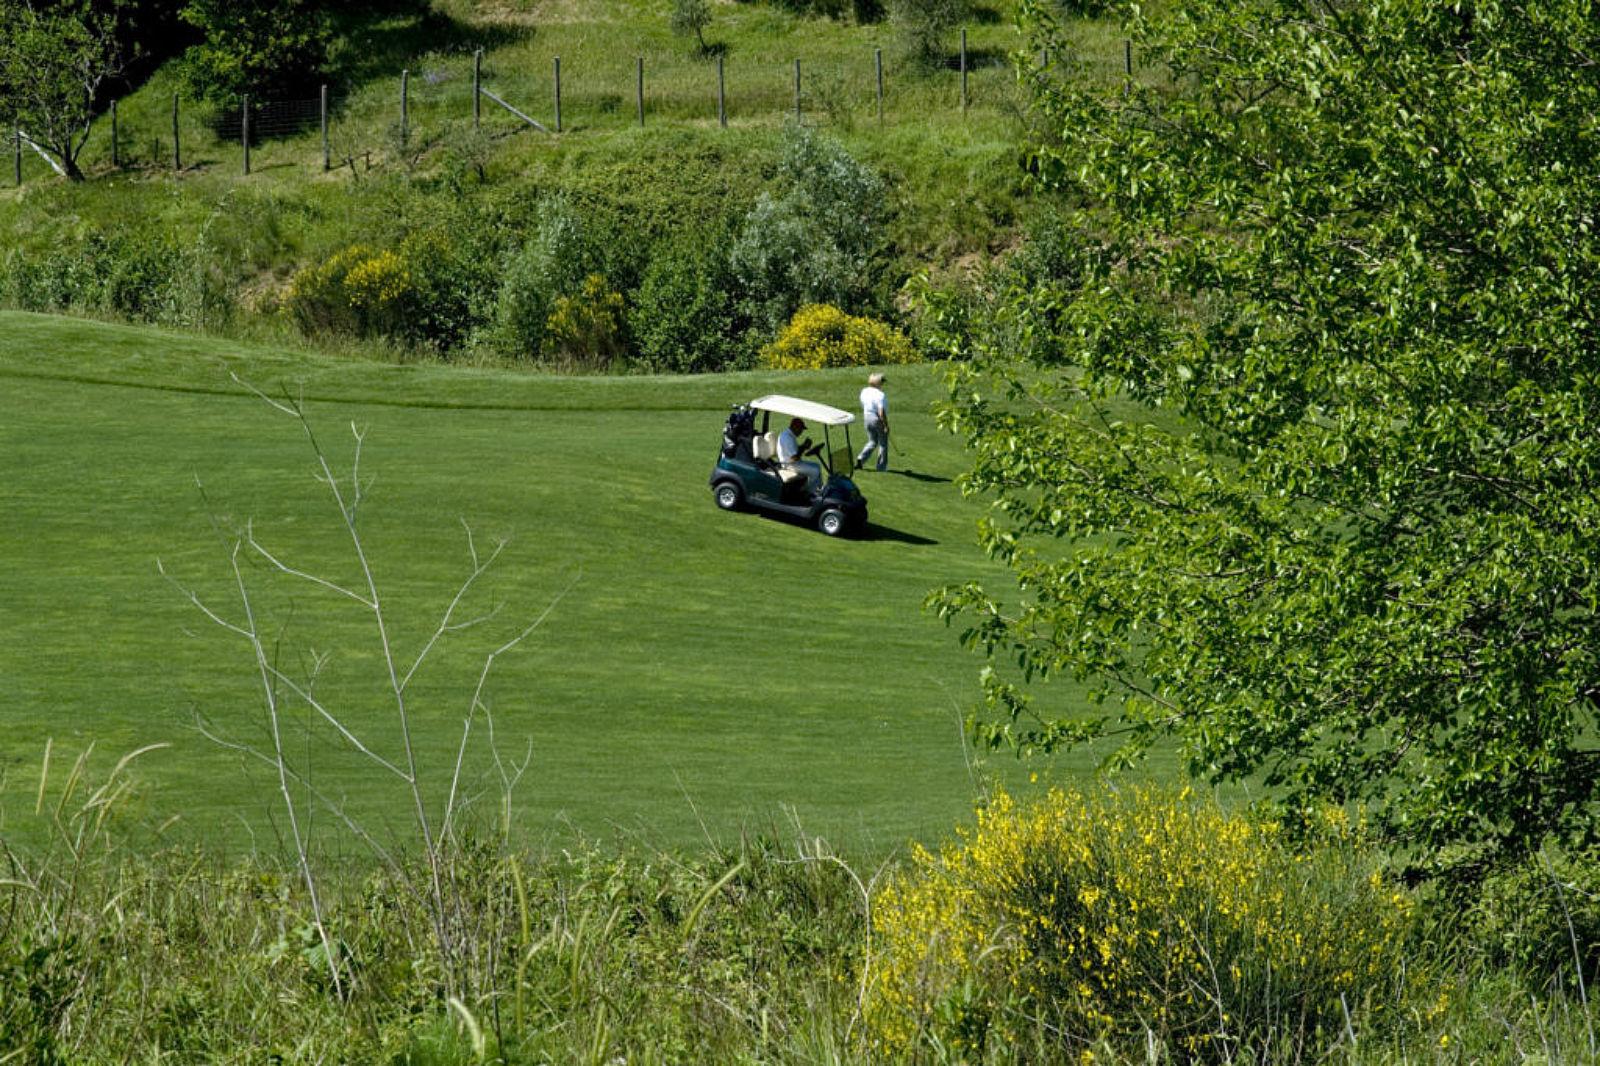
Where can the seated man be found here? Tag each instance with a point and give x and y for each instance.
(790, 449)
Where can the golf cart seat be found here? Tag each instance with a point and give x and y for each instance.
(764, 446)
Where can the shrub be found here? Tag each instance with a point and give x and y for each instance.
(450, 275)
(821, 335)
(552, 263)
(317, 299)
(1542, 916)
(1107, 916)
(814, 240)
(419, 293)
(586, 328)
(685, 316)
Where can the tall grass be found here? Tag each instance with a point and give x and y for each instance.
(753, 952)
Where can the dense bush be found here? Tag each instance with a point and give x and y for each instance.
(815, 239)
(143, 278)
(553, 262)
(1111, 916)
(821, 335)
(685, 315)
(586, 328)
(317, 298)
(1541, 916)
(419, 293)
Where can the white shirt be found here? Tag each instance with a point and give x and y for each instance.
(874, 405)
(788, 447)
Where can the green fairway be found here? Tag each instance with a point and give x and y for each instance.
(701, 667)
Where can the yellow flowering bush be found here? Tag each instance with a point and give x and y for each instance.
(316, 298)
(585, 328)
(821, 335)
(356, 290)
(1105, 916)
(380, 290)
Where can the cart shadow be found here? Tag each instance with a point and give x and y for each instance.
(875, 532)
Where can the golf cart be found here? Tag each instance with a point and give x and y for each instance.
(748, 472)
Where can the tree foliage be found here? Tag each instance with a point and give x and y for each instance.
(55, 57)
(263, 50)
(1295, 460)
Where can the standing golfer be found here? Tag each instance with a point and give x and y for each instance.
(875, 414)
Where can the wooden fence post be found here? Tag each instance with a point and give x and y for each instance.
(405, 107)
(639, 90)
(177, 147)
(327, 157)
(558, 94)
(244, 132)
(797, 115)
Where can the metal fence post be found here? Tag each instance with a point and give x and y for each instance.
(877, 59)
(327, 158)
(963, 70)
(722, 96)
(19, 156)
(477, 84)
(797, 115)
(405, 107)
(558, 94)
(177, 146)
(244, 131)
(639, 89)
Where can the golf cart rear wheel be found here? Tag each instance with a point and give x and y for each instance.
(831, 522)
(728, 495)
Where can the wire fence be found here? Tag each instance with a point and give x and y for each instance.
(469, 95)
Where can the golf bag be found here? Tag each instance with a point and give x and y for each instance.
(737, 433)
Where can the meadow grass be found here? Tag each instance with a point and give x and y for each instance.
(699, 666)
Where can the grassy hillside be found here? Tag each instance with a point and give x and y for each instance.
(212, 248)
(698, 665)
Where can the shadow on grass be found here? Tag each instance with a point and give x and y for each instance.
(875, 532)
(977, 59)
(381, 47)
(932, 479)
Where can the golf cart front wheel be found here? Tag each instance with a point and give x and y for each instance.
(728, 496)
(831, 522)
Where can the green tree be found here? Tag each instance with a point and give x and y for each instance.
(266, 49)
(1295, 456)
(925, 26)
(55, 59)
(692, 16)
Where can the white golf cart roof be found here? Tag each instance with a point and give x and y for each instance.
(819, 413)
